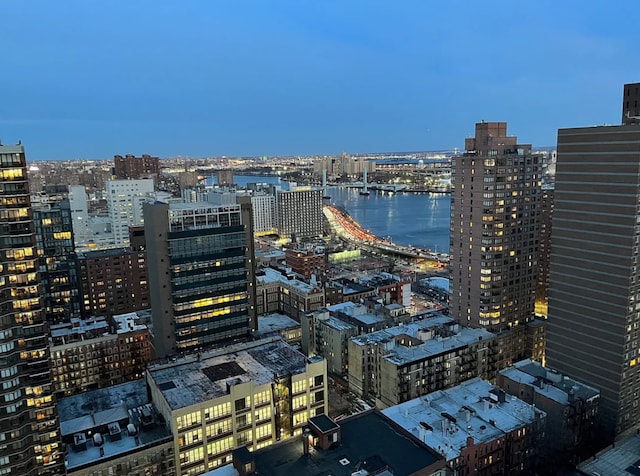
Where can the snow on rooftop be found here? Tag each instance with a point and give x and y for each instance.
(187, 384)
(275, 322)
(345, 307)
(274, 276)
(534, 374)
(444, 419)
(128, 323)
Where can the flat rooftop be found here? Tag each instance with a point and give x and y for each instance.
(99, 404)
(550, 383)
(193, 382)
(366, 438)
(271, 323)
(438, 345)
(621, 460)
(426, 331)
(274, 276)
(93, 411)
(129, 322)
(444, 420)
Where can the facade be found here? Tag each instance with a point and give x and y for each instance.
(115, 431)
(264, 213)
(546, 214)
(124, 209)
(275, 292)
(344, 166)
(58, 263)
(114, 281)
(132, 167)
(225, 177)
(88, 354)
(201, 274)
(305, 262)
(328, 336)
(494, 230)
(79, 213)
(477, 428)
(594, 283)
(250, 394)
(28, 421)
(299, 213)
(404, 362)
(571, 408)
(631, 104)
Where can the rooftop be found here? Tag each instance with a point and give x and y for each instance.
(549, 383)
(438, 334)
(130, 322)
(271, 323)
(367, 438)
(92, 412)
(189, 383)
(95, 326)
(272, 275)
(104, 253)
(438, 345)
(446, 418)
(621, 460)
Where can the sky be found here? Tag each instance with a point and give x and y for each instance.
(88, 80)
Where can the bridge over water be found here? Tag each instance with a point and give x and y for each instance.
(349, 229)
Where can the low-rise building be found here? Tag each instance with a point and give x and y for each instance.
(327, 331)
(328, 336)
(279, 324)
(305, 262)
(404, 362)
(622, 458)
(277, 292)
(364, 444)
(115, 431)
(251, 394)
(89, 355)
(479, 429)
(571, 407)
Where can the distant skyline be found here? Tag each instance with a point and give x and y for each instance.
(87, 80)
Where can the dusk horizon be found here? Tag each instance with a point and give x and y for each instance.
(198, 80)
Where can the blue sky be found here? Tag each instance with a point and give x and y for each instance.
(84, 79)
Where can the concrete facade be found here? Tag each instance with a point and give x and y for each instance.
(494, 229)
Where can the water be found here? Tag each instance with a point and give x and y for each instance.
(420, 220)
(415, 219)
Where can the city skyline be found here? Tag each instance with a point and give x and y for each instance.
(279, 79)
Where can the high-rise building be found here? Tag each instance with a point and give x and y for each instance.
(299, 212)
(28, 420)
(201, 277)
(494, 229)
(79, 213)
(594, 283)
(264, 213)
(132, 167)
(113, 281)
(544, 255)
(124, 209)
(58, 264)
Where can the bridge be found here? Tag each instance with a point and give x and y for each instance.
(350, 230)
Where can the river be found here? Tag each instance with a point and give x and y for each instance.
(415, 219)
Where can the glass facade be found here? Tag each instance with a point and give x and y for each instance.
(54, 239)
(28, 419)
